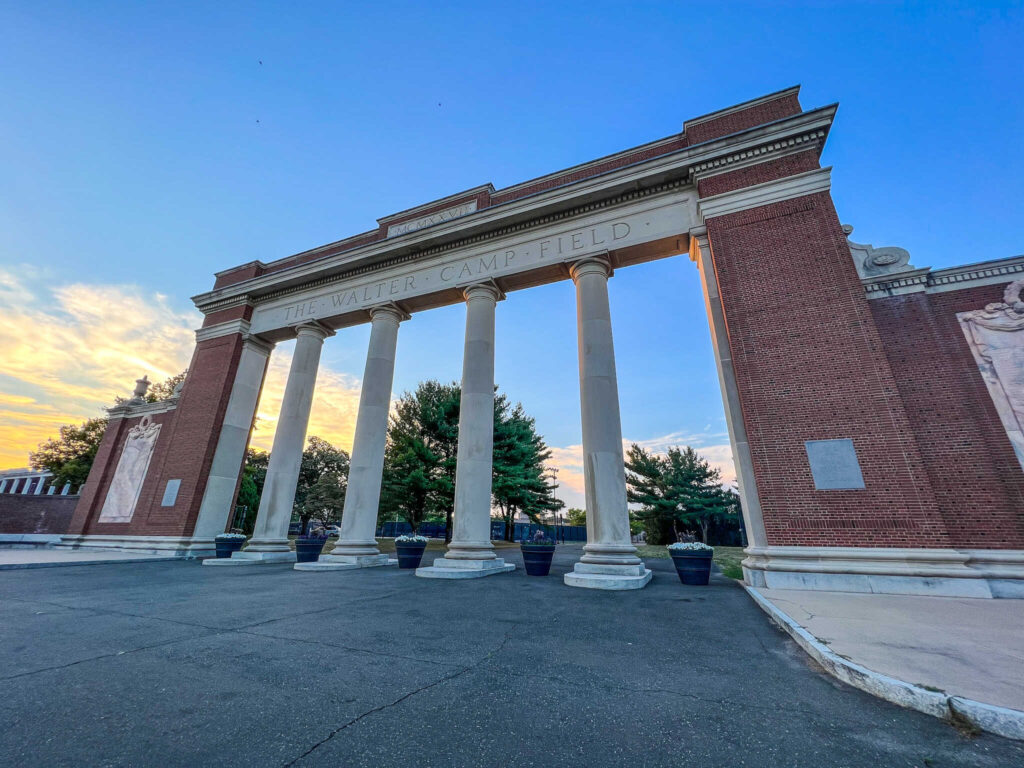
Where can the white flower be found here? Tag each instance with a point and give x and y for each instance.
(689, 545)
(230, 535)
(414, 537)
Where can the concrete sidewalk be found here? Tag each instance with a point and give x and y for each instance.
(960, 647)
(45, 557)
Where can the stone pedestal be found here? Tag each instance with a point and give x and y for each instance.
(449, 568)
(615, 577)
(334, 562)
(247, 557)
(609, 558)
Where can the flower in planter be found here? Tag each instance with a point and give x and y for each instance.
(689, 545)
(411, 538)
(231, 535)
(539, 537)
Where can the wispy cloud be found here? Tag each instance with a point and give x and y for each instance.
(67, 349)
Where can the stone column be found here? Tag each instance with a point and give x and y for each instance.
(357, 546)
(216, 508)
(269, 541)
(39, 485)
(609, 560)
(470, 553)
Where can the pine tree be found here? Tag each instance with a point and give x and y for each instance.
(674, 492)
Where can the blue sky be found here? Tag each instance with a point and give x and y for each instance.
(144, 146)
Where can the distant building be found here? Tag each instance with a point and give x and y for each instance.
(30, 481)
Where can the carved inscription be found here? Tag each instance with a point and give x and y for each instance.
(435, 218)
(538, 250)
(556, 248)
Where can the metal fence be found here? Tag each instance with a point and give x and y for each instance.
(520, 530)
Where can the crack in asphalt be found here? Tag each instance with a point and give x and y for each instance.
(212, 632)
(409, 694)
(102, 656)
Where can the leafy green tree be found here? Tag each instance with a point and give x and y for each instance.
(326, 499)
(249, 499)
(419, 460)
(70, 455)
(320, 458)
(576, 516)
(422, 449)
(519, 481)
(674, 492)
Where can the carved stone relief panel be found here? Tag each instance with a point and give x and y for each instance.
(996, 337)
(123, 495)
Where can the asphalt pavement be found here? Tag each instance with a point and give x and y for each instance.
(172, 664)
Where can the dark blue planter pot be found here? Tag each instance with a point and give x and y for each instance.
(225, 547)
(410, 553)
(307, 550)
(537, 558)
(693, 565)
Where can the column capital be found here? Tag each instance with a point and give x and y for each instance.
(255, 342)
(389, 310)
(312, 328)
(487, 290)
(597, 264)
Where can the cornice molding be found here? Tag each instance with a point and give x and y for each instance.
(660, 173)
(942, 280)
(131, 408)
(812, 140)
(798, 185)
(222, 329)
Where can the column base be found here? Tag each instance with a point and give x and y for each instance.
(346, 562)
(617, 577)
(246, 557)
(446, 568)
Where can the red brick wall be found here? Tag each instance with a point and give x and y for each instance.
(784, 105)
(810, 366)
(36, 514)
(184, 450)
(978, 482)
(759, 174)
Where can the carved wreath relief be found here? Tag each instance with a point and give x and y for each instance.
(123, 495)
(996, 337)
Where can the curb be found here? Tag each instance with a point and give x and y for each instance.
(987, 717)
(22, 566)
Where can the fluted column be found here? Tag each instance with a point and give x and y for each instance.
(609, 560)
(357, 546)
(470, 552)
(270, 535)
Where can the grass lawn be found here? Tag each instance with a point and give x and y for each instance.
(727, 558)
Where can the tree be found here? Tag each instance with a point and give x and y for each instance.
(249, 498)
(421, 453)
(320, 458)
(69, 457)
(576, 516)
(160, 391)
(325, 499)
(674, 492)
(519, 481)
(419, 460)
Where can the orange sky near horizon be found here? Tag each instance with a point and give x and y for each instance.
(66, 356)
